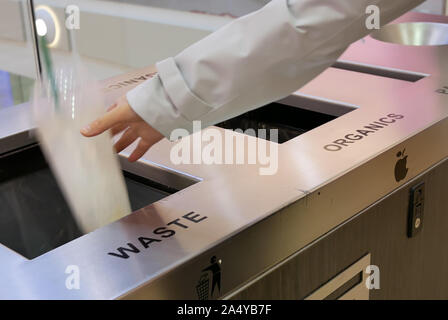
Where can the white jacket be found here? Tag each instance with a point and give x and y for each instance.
(254, 60)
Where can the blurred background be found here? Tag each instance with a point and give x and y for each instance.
(114, 36)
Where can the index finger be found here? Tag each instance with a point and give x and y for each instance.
(107, 121)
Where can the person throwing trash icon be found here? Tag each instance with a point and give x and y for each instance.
(215, 269)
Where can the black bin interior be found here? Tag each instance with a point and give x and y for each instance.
(34, 216)
(290, 121)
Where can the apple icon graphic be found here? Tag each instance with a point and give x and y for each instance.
(400, 167)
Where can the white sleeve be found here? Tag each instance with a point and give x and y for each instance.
(254, 60)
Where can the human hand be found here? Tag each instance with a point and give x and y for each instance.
(120, 117)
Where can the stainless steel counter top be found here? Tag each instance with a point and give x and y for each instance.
(313, 191)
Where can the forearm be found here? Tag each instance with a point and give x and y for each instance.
(254, 60)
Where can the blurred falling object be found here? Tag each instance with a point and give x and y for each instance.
(87, 169)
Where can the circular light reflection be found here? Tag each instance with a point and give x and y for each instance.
(52, 23)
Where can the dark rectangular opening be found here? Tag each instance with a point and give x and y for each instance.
(346, 287)
(34, 216)
(380, 71)
(292, 117)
